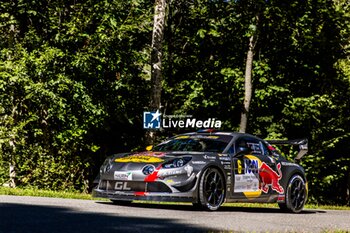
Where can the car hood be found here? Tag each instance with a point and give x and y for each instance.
(134, 161)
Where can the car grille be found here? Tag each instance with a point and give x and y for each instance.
(134, 186)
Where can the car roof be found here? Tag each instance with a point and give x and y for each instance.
(233, 134)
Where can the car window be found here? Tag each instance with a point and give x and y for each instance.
(264, 148)
(194, 143)
(253, 144)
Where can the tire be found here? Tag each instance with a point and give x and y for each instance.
(296, 195)
(211, 190)
(197, 206)
(120, 202)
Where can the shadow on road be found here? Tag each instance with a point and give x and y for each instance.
(16, 218)
(189, 207)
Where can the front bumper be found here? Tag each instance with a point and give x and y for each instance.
(145, 196)
(174, 184)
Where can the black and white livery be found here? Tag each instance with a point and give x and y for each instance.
(207, 169)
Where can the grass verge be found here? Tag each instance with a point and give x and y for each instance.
(84, 196)
(43, 193)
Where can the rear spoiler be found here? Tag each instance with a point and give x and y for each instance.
(302, 143)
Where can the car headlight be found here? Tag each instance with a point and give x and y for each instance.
(178, 162)
(106, 166)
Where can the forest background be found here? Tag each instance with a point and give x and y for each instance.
(75, 79)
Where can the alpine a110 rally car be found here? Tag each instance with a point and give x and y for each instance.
(207, 169)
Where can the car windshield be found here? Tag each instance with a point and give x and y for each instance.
(198, 143)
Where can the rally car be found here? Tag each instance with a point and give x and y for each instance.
(207, 169)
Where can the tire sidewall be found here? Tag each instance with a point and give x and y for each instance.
(288, 203)
(202, 199)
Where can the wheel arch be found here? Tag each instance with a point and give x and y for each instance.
(289, 172)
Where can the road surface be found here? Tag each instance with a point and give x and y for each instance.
(40, 214)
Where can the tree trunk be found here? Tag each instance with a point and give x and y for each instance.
(248, 87)
(12, 182)
(156, 62)
(12, 142)
(156, 54)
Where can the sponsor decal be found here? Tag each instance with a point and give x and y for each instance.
(151, 153)
(225, 162)
(182, 137)
(251, 166)
(198, 162)
(225, 158)
(255, 147)
(222, 155)
(247, 179)
(122, 186)
(289, 164)
(122, 175)
(254, 177)
(270, 178)
(239, 167)
(139, 159)
(246, 183)
(209, 157)
(189, 170)
(154, 120)
(172, 182)
(281, 198)
(171, 173)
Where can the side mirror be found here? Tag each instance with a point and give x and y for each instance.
(241, 151)
(148, 148)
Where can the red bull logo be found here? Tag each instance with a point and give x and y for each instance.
(270, 178)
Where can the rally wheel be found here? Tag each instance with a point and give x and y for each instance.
(296, 195)
(211, 189)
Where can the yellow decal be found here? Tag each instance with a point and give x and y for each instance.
(182, 137)
(253, 194)
(239, 166)
(139, 159)
(213, 137)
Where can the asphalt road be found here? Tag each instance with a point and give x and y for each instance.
(39, 214)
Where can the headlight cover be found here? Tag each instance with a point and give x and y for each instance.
(178, 162)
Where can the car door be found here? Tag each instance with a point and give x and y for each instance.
(251, 171)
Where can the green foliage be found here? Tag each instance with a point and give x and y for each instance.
(64, 74)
